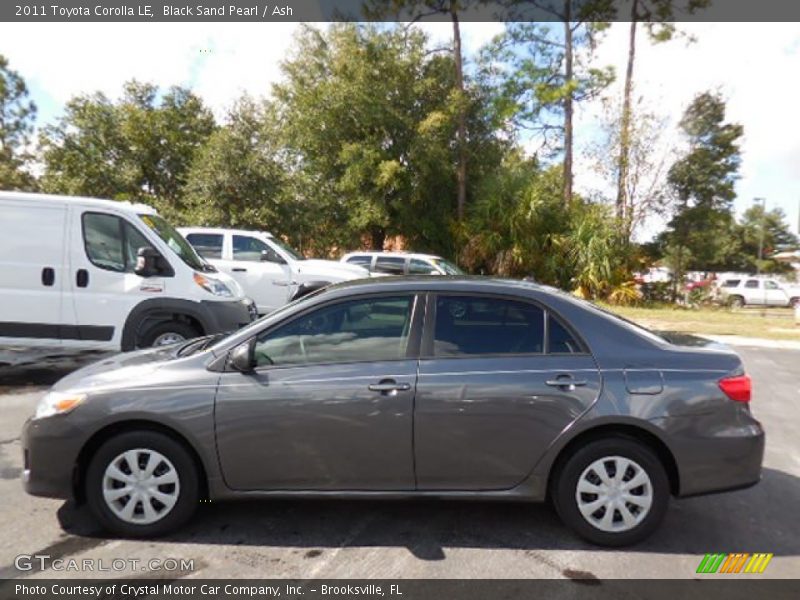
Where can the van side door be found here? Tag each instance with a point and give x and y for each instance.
(102, 289)
(33, 268)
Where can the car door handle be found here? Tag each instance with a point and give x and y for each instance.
(48, 276)
(566, 382)
(389, 385)
(239, 270)
(82, 278)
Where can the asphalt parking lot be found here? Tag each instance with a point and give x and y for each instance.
(430, 539)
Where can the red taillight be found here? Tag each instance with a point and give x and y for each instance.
(736, 388)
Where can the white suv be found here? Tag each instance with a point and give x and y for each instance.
(741, 291)
(268, 269)
(401, 263)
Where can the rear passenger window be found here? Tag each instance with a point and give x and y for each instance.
(467, 325)
(731, 283)
(560, 340)
(208, 245)
(751, 283)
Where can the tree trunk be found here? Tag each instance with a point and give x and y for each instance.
(624, 210)
(461, 170)
(377, 236)
(568, 103)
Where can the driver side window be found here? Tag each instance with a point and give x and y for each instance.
(370, 329)
(250, 249)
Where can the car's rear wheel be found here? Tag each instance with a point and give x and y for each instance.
(142, 484)
(612, 492)
(794, 302)
(736, 302)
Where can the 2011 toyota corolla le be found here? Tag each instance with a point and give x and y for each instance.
(448, 387)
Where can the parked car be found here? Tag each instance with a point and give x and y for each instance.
(743, 291)
(92, 273)
(269, 270)
(402, 263)
(405, 387)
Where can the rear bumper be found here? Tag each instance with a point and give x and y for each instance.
(713, 458)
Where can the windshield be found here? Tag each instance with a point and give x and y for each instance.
(448, 267)
(287, 249)
(174, 240)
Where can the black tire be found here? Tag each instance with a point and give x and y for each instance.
(188, 490)
(178, 328)
(736, 302)
(570, 472)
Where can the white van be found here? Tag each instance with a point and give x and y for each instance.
(90, 273)
(269, 270)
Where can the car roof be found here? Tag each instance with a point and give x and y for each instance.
(398, 254)
(223, 230)
(117, 205)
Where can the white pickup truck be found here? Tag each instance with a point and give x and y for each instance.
(742, 291)
(268, 269)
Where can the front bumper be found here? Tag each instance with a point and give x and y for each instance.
(50, 449)
(222, 316)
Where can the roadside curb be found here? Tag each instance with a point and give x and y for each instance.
(738, 340)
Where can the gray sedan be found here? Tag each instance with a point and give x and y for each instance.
(405, 387)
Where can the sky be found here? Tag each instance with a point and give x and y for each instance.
(754, 65)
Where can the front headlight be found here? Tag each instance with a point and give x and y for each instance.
(213, 286)
(58, 403)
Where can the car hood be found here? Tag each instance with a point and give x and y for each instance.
(330, 270)
(126, 367)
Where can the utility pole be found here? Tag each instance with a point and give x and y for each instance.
(761, 232)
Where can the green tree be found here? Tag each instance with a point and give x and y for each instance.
(139, 148)
(540, 71)
(768, 231)
(236, 179)
(366, 111)
(17, 115)
(702, 182)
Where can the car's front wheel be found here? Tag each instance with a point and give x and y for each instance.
(612, 492)
(142, 484)
(736, 302)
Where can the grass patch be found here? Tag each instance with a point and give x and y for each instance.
(774, 324)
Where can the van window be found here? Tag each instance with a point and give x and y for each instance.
(477, 325)
(111, 242)
(731, 283)
(208, 245)
(176, 242)
(751, 284)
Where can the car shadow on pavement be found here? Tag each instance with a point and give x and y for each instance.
(760, 519)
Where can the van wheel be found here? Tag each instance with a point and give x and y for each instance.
(794, 302)
(142, 484)
(612, 492)
(166, 333)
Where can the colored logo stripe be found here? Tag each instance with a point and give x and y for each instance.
(734, 563)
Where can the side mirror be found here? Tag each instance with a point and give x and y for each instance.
(147, 262)
(273, 257)
(242, 359)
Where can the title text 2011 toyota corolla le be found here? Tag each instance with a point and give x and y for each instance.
(449, 387)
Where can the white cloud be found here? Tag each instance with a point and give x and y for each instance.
(754, 66)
